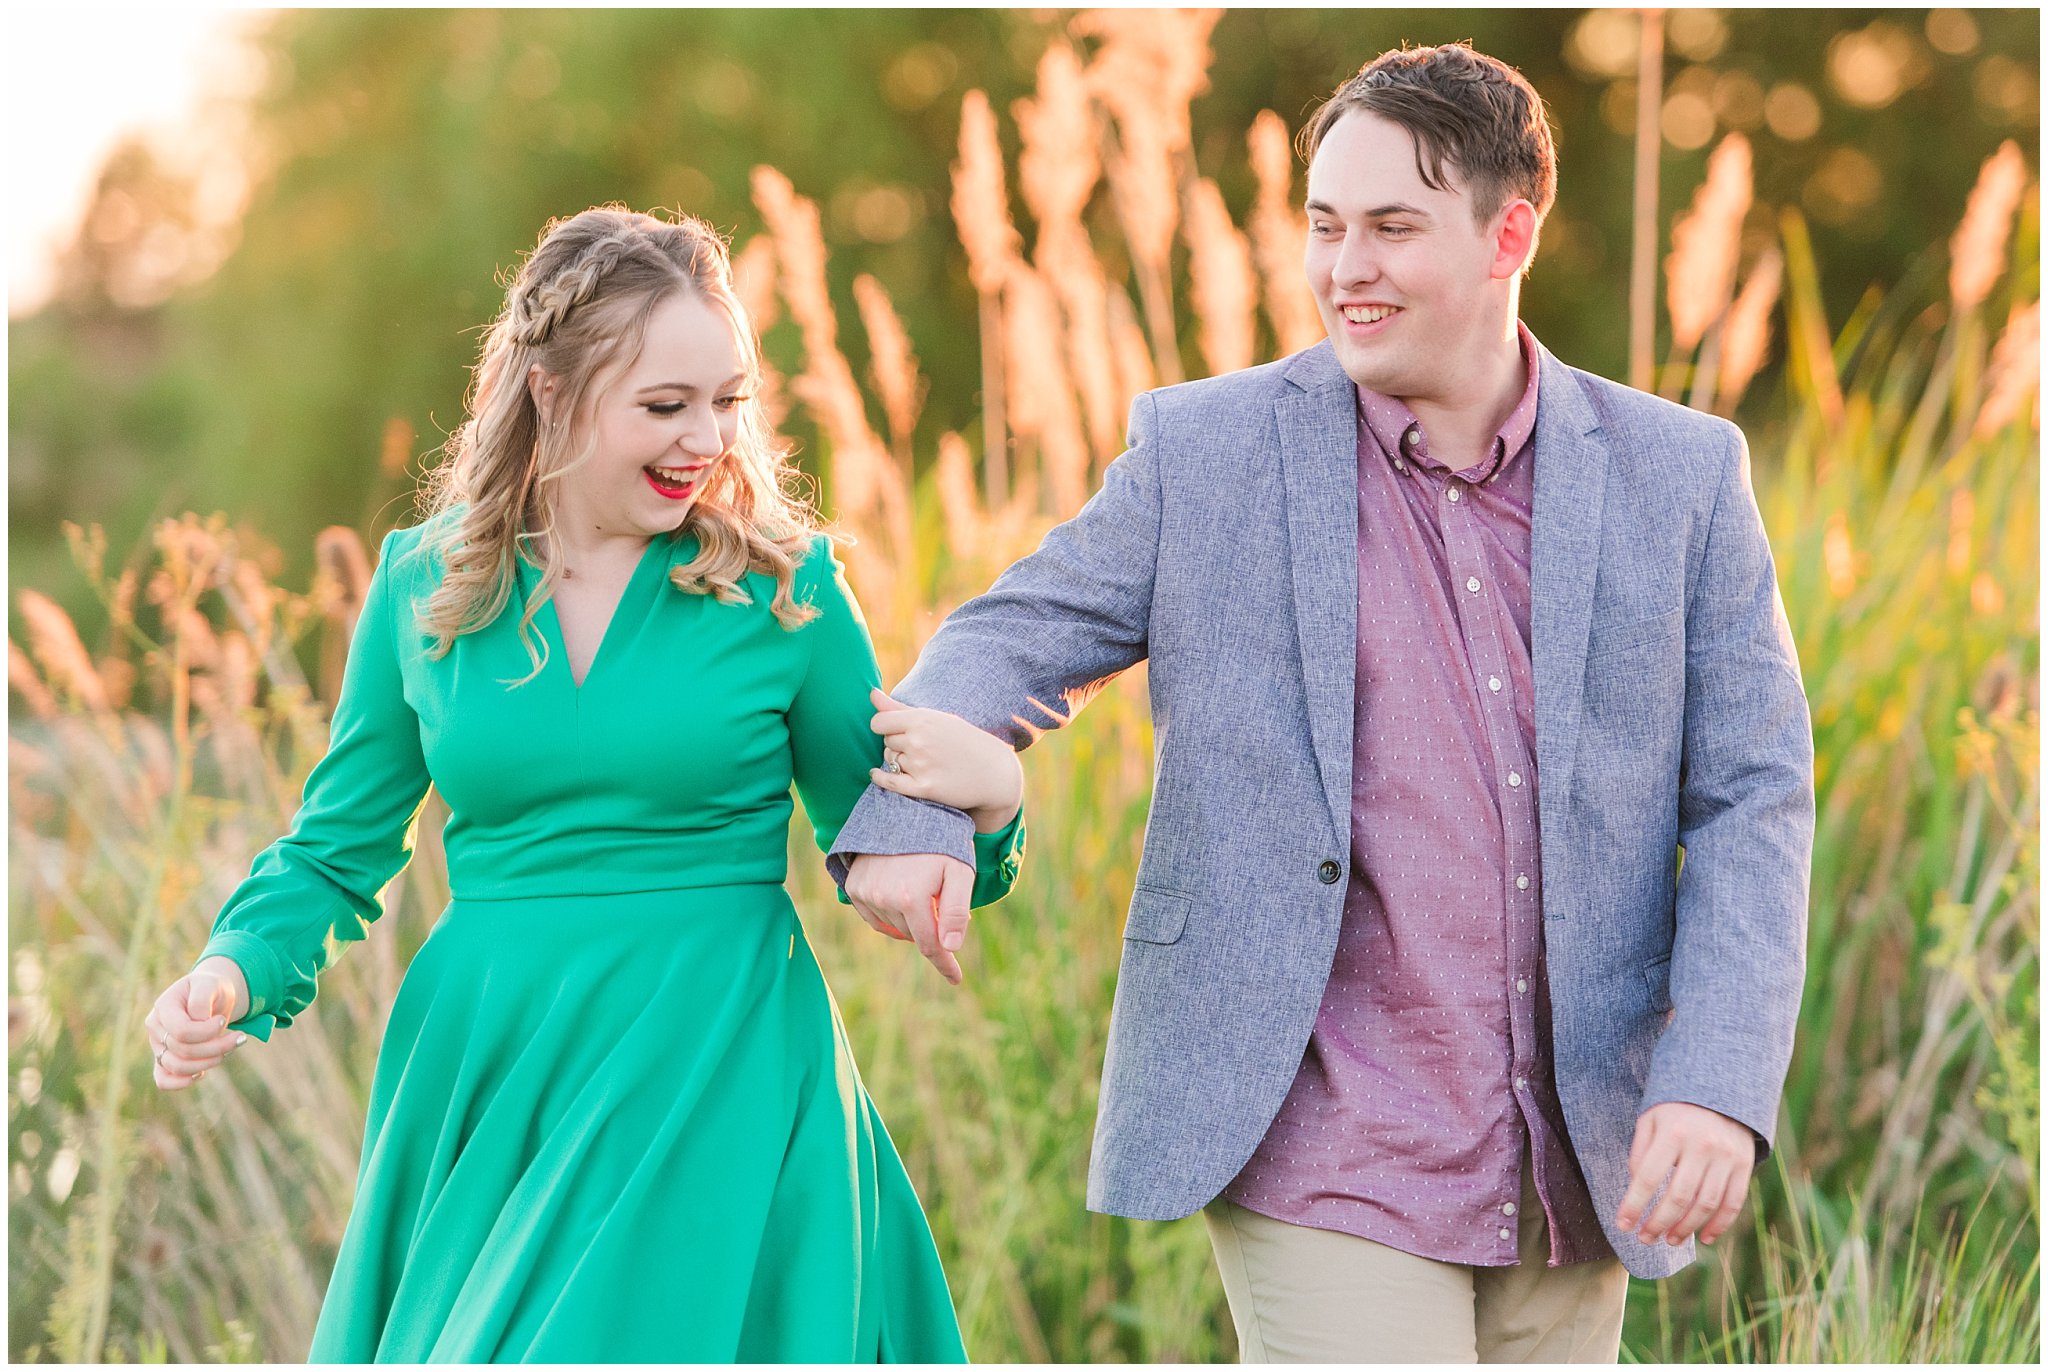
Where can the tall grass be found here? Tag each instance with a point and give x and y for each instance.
(1897, 1220)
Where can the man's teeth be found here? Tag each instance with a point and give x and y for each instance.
(1368, 314)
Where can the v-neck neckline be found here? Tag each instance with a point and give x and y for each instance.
(663, 542)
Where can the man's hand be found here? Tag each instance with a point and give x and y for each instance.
(1708, 1158)
(921, 897)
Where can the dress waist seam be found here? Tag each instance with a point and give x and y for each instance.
(458, 898)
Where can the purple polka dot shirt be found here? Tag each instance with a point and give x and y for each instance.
(1428, 1073)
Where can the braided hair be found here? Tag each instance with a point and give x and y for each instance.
(577, 308)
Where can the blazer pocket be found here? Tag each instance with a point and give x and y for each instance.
(1157, 916)
(1657, 977)
(1619, 638)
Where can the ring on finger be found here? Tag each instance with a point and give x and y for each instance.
(892, 761)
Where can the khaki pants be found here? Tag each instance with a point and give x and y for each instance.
(1313, 1295)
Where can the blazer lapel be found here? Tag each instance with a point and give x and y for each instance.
(1571, 479)
(1318, 427)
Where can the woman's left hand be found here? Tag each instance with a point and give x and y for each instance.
(941, 757)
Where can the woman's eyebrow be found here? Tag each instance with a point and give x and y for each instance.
(687, 389)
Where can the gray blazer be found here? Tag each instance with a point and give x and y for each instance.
(1669, 715)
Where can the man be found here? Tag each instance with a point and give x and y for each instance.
(1453, 650)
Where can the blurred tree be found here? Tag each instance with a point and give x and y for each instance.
(402, 160)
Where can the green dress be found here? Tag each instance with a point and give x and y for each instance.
(615, 1117)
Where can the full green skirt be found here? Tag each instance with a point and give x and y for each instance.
(628, 1128)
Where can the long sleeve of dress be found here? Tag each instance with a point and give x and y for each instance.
(317, 887)
(831, 741)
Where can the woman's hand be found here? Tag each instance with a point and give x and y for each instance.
(941, 757)
(188, 1026)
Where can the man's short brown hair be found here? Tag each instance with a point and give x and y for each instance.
(1473, 113)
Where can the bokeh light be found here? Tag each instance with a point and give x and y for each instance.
(1952, 31)
(1870, 67)
(1792, 112)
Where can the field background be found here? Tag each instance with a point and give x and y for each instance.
(968, 238)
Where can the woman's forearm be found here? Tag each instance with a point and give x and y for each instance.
(994, 819)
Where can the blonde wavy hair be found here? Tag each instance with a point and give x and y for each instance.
(578, 309)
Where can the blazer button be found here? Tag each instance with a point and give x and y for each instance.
(1328, 873)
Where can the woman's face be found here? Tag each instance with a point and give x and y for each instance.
(656, 429)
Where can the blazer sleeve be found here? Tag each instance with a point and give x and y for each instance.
(1022, 658)
(317, 888)
(1746, 823)
(832, 745)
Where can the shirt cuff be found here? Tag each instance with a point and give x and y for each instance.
(997, 858)
(992, 847)
(259, 968)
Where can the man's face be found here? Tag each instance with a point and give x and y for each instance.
(1408, 285)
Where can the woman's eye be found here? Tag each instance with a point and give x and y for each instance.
(731, 402)
(666, 407)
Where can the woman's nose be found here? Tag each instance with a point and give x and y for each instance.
(701, 436)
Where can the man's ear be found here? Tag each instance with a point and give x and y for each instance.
(1514, 242)
(541, 387)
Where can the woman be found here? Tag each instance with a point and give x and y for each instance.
(615, 1117)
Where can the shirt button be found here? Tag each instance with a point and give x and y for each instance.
(1328, 873)
(1514, 778)
(1399, 465)
(1411, 435)
(1452, 495)
(1521, 1083)
(1521, 883)
(1493, 683)
(1508, 1209)
(1522, 985)
(1471, 583)
(1507, 1233)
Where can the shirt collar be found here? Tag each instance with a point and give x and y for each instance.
(1389, 421)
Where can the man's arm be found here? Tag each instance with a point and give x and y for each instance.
(1024, 656)
(1745, 820)
(1017, 661)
